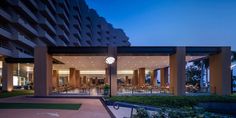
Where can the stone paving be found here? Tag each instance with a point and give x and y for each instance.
(90, 108)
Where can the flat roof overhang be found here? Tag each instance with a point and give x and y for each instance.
(26, 60)
(78, 51)
(145, 51)
(121, 51)
(133, 51)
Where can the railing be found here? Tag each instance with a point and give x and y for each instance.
(117, 105)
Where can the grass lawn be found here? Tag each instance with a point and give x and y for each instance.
(16, 93)
(39, 106)
(173, 101)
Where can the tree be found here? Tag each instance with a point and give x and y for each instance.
(193, 74)
(203, 65)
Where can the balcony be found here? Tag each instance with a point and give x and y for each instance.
(33, 3)
(46, 12)
(47, 25)
(4, 32)
(62, 13)
(27, 11)
(63, 3)
(63, 35)
(5, 51)
(62, 23)
(50, 15)
(21, 38)
(27, 26)
(49, 39)
(5, 15)
(24, 55)
(52, 5)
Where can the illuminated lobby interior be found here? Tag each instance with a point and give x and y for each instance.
(136, 71)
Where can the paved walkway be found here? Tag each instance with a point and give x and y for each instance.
(90, 108)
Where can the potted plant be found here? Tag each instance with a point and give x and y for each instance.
(106, 89)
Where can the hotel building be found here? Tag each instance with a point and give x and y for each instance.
(58, 47)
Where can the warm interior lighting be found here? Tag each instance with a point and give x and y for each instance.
(89, 72)
(63, 72)
(0, 64)
(29, 69)
(121, 72)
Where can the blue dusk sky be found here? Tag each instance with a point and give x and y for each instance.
(172, 22)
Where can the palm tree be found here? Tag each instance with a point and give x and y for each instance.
(202, 64)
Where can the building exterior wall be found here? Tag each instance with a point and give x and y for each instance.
(25, 24)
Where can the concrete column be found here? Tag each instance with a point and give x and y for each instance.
(177, 71)
(164, 76)
(112, 51)
(55, 77)
(141, 76)
(7, 77)
(84, 81)
(153, 78)
(107, 81)
(72, 81)
(78, 80)
(43, 71)
(220, 74)
(135, 78)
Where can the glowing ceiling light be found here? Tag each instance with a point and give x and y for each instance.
(110, 60)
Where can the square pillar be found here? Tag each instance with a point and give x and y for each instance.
(112, 51)
(164, 76)
(72, 76)
(135, 78)
(43, 71)
(220, 73)
(141, 76)
(78, 80)
(55, 77)
(107, 80)
(177, 71)
(153, 78)
(7, 77)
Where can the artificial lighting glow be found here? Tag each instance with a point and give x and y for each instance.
(232, 66)
(29, 69)
(121, 72)
(89, 72)
(63, 72)
(110, 60)
(0, 64)
(15, 81)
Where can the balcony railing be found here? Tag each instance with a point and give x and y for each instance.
(63, 35)
(47, 36)
(5, 15)
(62, 23)
(27, 26)
(5, 51)
(27, 11)
(50, 15)
(5, 33)
(62, 13)
(46, 25)
(25, 40)
(43, 34)
(33, 3)
(52, 5)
